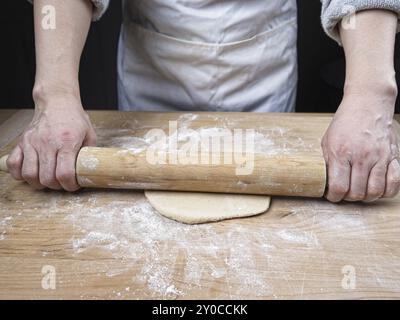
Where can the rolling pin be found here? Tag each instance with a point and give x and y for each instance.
(285, 175)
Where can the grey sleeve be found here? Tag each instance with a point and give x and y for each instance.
(333, 11)
(99, 7)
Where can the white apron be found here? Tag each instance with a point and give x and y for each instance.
(208, 55)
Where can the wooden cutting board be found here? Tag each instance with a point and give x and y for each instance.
(111, 243)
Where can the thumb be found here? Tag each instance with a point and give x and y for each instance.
(90, 139)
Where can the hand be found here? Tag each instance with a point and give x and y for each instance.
(46, 152)
(361, 150)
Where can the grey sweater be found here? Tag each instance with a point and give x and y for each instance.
(333, 11)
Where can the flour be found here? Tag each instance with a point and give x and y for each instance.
(263, 140)
(90, 162)
(307, 238)
(159, 258)
(187, 117)
(5, 225)
(85, 181)
(139, 236)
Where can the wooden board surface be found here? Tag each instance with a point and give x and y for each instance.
(111, 243)
(6, 114)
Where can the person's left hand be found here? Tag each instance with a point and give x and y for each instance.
(361, 150)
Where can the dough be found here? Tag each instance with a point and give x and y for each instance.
(197, 207)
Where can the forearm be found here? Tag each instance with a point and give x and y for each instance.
(369, 50)
(58, 50)
(361, 145)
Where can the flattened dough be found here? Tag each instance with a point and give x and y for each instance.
(197, 207)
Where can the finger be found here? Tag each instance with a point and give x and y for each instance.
(14, 163)
(47, 169)
(358, 183)
(376, 182)
(338, 180)
(30, 167)
(65, 169)
(392, 179)
(90, 139)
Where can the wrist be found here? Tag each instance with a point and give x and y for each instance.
(380, 86)
(373, 98)
(44, 93)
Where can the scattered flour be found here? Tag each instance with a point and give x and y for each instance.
(141, 237)
(307, 238)
(264, 139)
(161, 258)
(5, 224)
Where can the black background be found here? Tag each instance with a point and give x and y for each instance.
(321, 63)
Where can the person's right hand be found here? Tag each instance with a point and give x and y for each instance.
(46, 153)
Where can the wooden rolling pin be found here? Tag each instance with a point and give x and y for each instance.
(286, 175)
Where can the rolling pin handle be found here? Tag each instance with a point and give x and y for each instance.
(3, 163)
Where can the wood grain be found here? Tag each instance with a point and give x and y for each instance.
(111, 244)
(5, 114)
(13, 125)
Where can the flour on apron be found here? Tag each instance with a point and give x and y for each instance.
(208, 55)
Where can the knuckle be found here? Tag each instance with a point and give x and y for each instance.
(343, 150)
(68, 136)
(359, 161)
(44, 139)
(364, 159)
(386, 159)
(364, 154)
